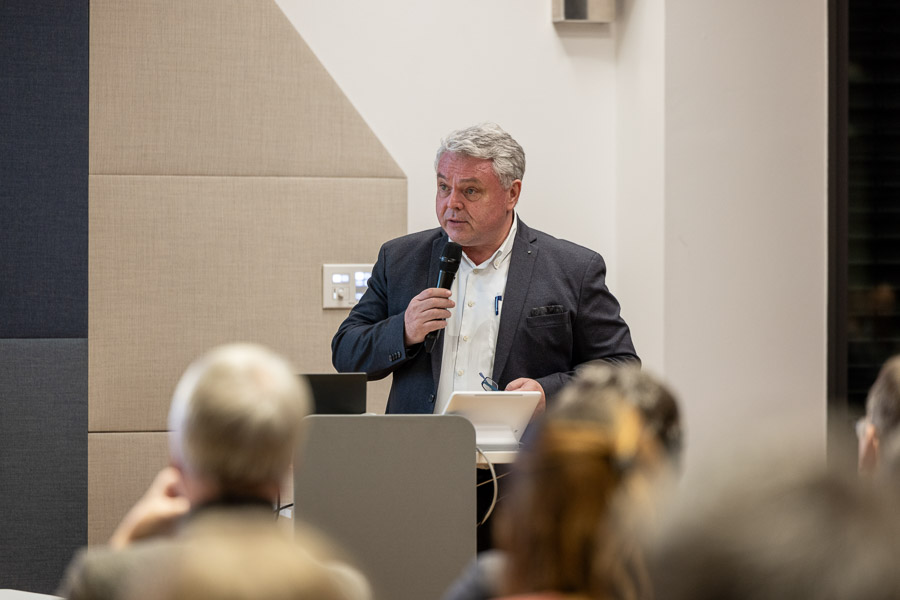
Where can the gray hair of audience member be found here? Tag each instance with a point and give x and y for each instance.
(487, 141)
(236, 417)
(883, 402)
(817, 535)
(597, 384)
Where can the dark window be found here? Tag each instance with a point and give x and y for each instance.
(864, 231)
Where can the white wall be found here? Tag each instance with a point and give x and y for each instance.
(640, 195)
(417, 70)
(722, 215)
(745, 218)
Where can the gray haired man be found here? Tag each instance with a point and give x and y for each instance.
(524, 310)
(236, 418)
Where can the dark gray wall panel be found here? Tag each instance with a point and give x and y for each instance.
(43, 459)
(43, 168)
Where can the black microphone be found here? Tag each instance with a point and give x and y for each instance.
(450, 258)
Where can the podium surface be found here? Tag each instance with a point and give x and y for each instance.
(397, 492)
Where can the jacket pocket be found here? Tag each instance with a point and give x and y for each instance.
(552, 320)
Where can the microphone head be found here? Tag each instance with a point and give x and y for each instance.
(450, 257)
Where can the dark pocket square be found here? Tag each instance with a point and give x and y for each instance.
(552, 309)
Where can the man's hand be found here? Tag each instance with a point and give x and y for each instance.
(156, 512)
(523, 384)
(426, 312)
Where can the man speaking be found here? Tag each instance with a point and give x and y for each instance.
(523, 310)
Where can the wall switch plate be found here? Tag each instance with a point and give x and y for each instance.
(343, 285)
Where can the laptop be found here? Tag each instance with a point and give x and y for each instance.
(499, 418)
(338, 393)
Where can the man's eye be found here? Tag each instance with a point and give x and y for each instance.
(443, 187)
(470, 191)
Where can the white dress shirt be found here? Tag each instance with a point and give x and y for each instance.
(470, 338)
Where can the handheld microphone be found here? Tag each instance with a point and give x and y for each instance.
(450, 258)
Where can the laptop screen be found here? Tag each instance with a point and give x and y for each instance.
(338, 393)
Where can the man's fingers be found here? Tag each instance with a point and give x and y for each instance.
(515, 384)
(433, 293)
(426, 312)
(434, 325)
(429, 303)
(529, 385)
(435, 314)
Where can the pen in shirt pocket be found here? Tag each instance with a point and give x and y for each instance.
(498, 302)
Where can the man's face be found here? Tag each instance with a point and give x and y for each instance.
(472, 206)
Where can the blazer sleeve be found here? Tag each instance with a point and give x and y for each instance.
(370, 340)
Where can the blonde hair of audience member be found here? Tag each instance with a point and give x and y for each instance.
(566, 527)
(882, 418)
(236, 419)
(244, 562)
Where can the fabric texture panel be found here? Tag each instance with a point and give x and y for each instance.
(43, 168)
(43, 459)
(180, 264)
(122, 466)
(218, 88)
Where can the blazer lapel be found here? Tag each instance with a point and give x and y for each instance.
(518, 280)
(438, 351)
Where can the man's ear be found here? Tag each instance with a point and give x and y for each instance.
(868, 450)
(514, 190)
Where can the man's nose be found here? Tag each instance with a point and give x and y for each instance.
(456, 199)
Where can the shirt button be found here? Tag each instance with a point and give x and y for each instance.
(465, 338)
(471, 303)
(460, 372)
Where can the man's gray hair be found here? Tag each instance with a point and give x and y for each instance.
(236, 417)
(487, 141)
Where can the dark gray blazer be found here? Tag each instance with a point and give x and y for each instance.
(533, 341)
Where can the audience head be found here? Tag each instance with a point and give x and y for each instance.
(568, 524)
(882, 415)
(236, 418)
(814, 535)
(487, 141)
(589, 395)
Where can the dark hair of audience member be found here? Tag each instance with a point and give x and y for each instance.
(564, 526)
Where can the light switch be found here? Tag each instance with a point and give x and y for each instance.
(344, 284)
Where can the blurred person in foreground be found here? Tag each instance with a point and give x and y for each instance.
(882, 416)
(583, 493)
(235, 422)
(239, 561)
(779, 535)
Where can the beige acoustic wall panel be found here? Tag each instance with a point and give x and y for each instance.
(179, 264)
(226, 168)
(218, 87)
(121, 467)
